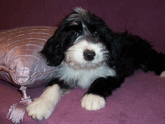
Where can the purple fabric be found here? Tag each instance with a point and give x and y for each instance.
(140, 100)
(143, 17)
(20, 61)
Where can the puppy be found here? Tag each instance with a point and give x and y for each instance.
(88, 54)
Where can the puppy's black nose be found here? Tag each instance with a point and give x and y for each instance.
(89, 55)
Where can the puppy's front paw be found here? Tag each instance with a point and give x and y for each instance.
(92, 102)
(40, 108)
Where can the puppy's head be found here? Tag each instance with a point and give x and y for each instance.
(82, 41)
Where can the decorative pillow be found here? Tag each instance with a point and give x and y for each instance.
(20, 61)
(22, 65)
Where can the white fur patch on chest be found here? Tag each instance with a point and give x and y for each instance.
(83, 78)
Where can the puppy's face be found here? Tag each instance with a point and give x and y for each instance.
(81, 41)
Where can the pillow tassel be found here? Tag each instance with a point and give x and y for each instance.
(17, 111)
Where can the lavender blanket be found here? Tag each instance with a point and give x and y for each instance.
(140, 100)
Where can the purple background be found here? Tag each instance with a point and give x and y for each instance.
(142, 17)
(140, 100)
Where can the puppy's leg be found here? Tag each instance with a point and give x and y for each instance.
(154, 61)
(94, 99)
(161, 65)
(43, 106)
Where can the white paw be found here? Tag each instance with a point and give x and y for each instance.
(162, 75)
(40, 109)
(92, 102)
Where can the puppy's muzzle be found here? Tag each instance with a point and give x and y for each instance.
(89, 55)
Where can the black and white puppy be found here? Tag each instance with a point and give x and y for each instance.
(88, 54)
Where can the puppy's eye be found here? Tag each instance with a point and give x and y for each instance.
(95, 33)
(76, 33)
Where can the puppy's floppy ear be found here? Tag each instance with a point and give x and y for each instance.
(111, 42)
(107, 36)
(53, 51)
